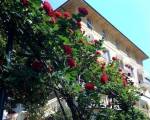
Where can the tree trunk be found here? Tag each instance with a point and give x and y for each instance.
(76, 114)
(63, 111)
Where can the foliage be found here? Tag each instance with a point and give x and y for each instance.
(51, 54)
(58, 115)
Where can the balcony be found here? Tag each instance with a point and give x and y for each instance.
(145, 84)
(146, 112)
(144, 105)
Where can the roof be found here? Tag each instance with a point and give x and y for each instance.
(144, 54)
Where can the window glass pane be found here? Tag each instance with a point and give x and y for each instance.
(140, 78)
(106, 56)
(89, 24)
(117, 44)
(121, 65)
(103, 34)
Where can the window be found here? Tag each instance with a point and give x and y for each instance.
(89, 24)
(140, 77)
(106, 56)
(129, 70)
(127, 52)
(103, 34)
(117, 44)
(132, 72)
(121, 65)
(139, 61)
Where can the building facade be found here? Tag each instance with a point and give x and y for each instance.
(144, 102)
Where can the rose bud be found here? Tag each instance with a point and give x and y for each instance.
(104, 78)
(89, 86)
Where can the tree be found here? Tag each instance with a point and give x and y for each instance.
(44, 51)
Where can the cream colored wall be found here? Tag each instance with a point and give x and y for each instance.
(99, 24)
(114, 51)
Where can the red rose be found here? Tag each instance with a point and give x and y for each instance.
(37, 65)
(51, 14)
(98, 52)
(114, 58)
(24, 2)
(104, 78)
(83, 11)
(58, 14)
(79, 24)
(94, 41)
(78, 19)
(71, 62)
(67, 49)
(67, 15)
(47, 7)
(89, 86)
(103, 66)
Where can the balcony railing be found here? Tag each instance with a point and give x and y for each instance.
(146, 112)
(144, 84)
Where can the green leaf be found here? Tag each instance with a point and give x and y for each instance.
(64, 39)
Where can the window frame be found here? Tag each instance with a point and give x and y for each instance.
(106, 55)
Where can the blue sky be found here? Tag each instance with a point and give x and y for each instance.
(131, 17)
